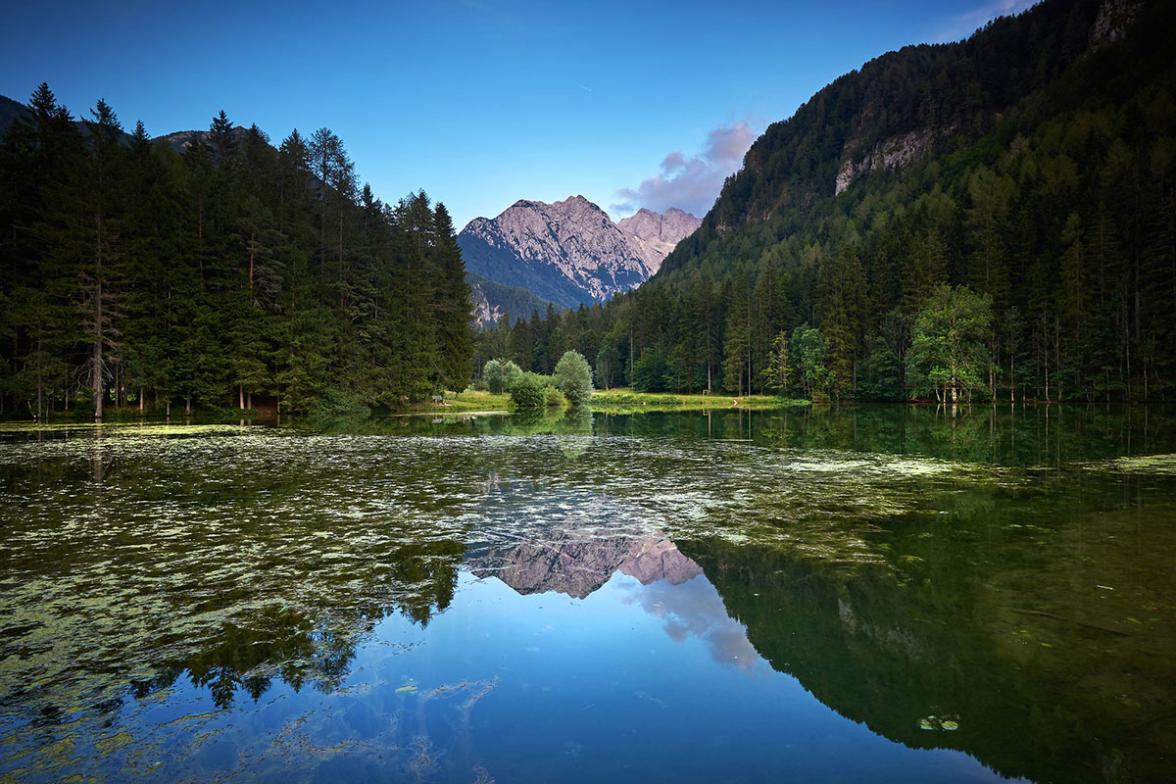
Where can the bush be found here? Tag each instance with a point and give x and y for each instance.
(500, 375)
(573, 376)
(555, 398)
(492, 375)
(512, 373)
(529, 393)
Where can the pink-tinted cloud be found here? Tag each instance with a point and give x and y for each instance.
(691, 183)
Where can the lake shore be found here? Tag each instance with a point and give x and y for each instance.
(618, 400)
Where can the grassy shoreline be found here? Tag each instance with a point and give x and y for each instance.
(621, 400)
(471, 400)
(625, 400)
(613, 401)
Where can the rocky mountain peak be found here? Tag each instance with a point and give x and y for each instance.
(654, 234)
(569, 252)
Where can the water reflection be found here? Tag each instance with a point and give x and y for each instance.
(482, 597)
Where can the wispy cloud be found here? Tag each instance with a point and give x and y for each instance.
(963, 25)
(691, 182)
(695, 609)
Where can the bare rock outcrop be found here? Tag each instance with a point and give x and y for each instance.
(653, 235)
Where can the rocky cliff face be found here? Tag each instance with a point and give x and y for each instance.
(897, 152)
(493, 301)
(570, 252)
(1115, 17)
(654, 235)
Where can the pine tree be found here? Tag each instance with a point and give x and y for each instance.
(455, 338)
(777, 374)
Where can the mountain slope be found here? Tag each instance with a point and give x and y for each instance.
(654, 235)
(1031, 168)
(569, 252)
(900, 108)
(10, 112)
(492, 301)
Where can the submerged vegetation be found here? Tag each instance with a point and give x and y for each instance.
(909, 569)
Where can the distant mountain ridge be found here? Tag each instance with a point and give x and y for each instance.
(12, 110)
(570, 252)
(653, 235)
(180, 141)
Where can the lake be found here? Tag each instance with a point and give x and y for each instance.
(887, 594)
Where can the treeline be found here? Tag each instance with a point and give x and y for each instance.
(229, 274)
(1052, 234)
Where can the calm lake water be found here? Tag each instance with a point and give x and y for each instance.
(870, 594)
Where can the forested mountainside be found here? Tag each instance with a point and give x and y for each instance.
(991, 217)
(216, 271)
(493, 301)
(569, 253)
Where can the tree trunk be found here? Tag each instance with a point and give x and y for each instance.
(630, 358)
(39, 384)
(1058, 355)
(1012, 380)
(1047, 378)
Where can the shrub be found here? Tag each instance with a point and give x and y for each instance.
(573, 376)
(529, 393)
(512, 374)
(500, 375)
(555, 398)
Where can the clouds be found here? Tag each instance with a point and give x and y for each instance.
(965, 24)
(691, 183)
(695, 609)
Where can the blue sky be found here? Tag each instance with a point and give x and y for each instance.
(479, 102)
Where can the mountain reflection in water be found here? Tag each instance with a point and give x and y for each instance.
(873, 595)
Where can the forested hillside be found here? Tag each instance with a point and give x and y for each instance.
(995, 217)
(226, 274)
